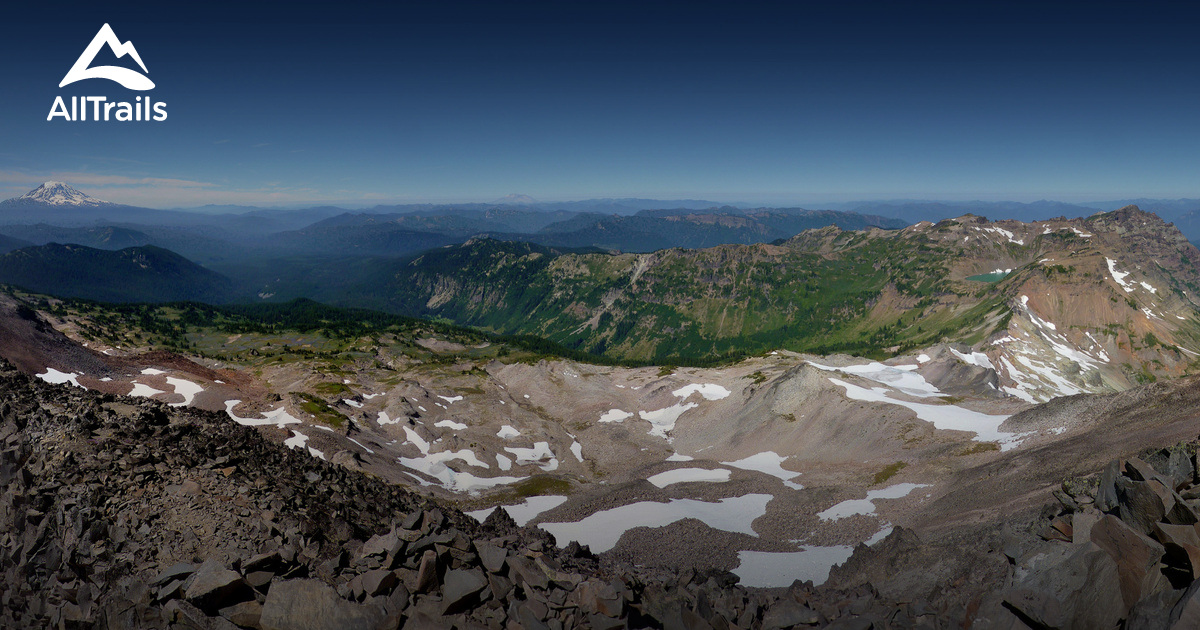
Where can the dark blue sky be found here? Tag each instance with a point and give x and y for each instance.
(285, 103)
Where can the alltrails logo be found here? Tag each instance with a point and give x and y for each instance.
(142, 108)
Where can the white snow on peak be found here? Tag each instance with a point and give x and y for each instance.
(1005, 233)
(59, 194)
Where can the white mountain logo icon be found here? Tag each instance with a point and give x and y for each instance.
(131, 79)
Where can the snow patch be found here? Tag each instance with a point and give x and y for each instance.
(184, 388)
(945, 417)
(687, 475)
(54, 377)
(141, 389)
(768, 463)
(768, 569)
(540, 451)
(975, 358)
(899, 377)
(709, 391)
(615, 415)
(278, 417)
(867, 506)
(1118, 276)
(603, 529)
(298, 440)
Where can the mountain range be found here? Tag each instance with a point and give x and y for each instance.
(133, 274)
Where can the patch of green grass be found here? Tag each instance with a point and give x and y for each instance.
(321, 410)
(979, 447)
(331, 389)
(539, 485)
(758, 378)
(888, 472)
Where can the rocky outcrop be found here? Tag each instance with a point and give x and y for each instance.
(1121, 547)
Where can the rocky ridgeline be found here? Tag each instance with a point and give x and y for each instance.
(1123, 548)
(125, 513)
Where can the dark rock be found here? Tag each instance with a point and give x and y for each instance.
(1182, 546)
(1082, 589)
(500, 521)
(170, 590)
(185, 615)
(461, 588)
(491, 556)
(528, 616)
(313, 605)
(373, 583)
(788, 613)
(259, 579)
(521, 569)
(411, 520)
(246, 614)
(1106, 492)
(594, 596)
(1139, 470)
(600, 622)
(1153, 612)
(1145, 504)
(500, 586)
(427, 577)
(380, 545)
(270, 561)
(1136, 555)
(1185, 615)
(178, 571)
(213, 586)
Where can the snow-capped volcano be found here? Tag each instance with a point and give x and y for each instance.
(516, 199)
(58, 194)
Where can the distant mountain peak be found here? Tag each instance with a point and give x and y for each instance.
(59, 194)
(517, 199)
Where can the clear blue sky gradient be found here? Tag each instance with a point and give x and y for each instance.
(470, 101)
